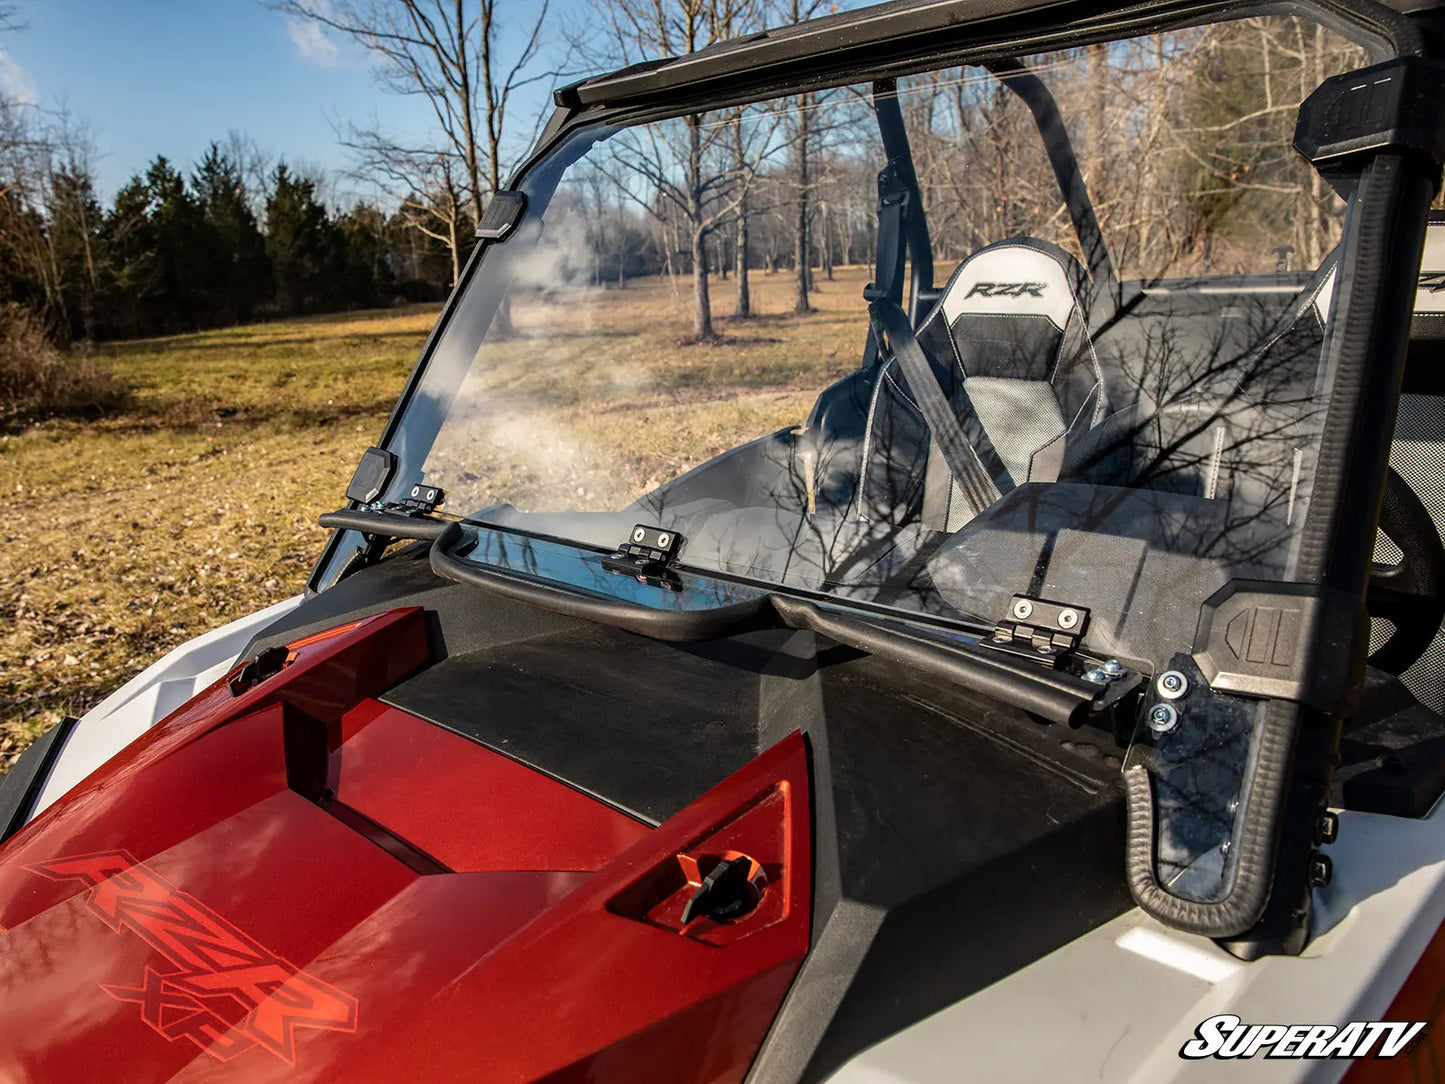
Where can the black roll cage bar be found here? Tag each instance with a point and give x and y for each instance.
(898, 183)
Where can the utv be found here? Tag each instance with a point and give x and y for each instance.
(1052, 691)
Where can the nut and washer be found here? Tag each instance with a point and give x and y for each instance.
(1172, 685)
(1162, 718)
(1068, 618)
(1023, 608)
(1113, 667)
(1096, 676)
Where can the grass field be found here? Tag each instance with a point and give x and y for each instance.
(127, 536)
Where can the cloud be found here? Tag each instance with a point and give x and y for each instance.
(15, 82)
(311, 42)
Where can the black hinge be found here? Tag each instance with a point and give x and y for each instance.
(1393, 106)
(648, 554)
(1040, 629)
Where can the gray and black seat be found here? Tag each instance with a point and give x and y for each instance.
(1008, 344)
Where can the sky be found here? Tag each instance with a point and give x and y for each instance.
(148, 77)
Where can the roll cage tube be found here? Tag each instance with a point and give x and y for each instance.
(1030, 89)
(903, 227)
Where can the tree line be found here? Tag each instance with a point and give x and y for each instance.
(1186, 169)
(174, 253)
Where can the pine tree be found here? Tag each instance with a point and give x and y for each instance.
(238, 273)
(300, 242)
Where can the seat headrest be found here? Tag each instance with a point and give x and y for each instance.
(1022, 276)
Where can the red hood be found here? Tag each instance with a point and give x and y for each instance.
(300, 881)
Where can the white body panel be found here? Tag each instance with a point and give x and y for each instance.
(1118, 1003)
(149, 697)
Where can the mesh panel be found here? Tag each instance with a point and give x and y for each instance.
(1418, 455)
(1019, 416)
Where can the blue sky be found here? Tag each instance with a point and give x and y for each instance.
(151, 77)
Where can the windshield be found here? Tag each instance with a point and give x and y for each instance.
(1111, 396)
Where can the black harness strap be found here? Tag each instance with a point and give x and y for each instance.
(891, 327)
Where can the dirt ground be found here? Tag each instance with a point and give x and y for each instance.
(124, 537)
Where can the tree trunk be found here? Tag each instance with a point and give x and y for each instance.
(827, 242)
(745, 298)
(701, 302)
(701, 305)
(800, 262)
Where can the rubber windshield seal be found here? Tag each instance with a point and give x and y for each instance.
(1052, 695)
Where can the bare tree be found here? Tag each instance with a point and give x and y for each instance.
(638, 29)
(450, 53)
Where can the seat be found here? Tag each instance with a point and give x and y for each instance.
(1008, 342)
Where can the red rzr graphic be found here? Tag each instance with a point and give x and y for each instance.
(213, 966)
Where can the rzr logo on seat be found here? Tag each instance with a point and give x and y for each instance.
(208, 964)
(1007, 289)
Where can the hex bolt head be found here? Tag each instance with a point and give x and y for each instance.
(1113, 667)
(1068, 618)
(1023, 608)
(1172, 685)
(1096, 676)
(1162, 718)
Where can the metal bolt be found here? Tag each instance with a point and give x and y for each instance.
(1044, 649)
(1022, 608)
(638, 535)
(663, 539)
(1001, 636)
(1224, 847)
(1172, 685)
(1068, 618)
(1097, 676)
(1113, 667)
(1163, 718)
(416, 491)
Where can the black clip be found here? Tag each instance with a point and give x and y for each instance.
(648, 554)
(1040, 629)
(423, 498)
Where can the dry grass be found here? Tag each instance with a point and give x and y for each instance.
(198, 503)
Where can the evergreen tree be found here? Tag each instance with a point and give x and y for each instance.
(301, 244)
(180, 241)
(237, 276)
(131, 283)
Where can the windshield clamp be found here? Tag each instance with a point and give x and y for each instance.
(1039, 629)
(649, 554)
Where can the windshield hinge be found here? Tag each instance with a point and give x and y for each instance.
(649, 554)
(1039, 629)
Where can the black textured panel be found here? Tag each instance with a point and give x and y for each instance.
(1418, 455)
(641, 724)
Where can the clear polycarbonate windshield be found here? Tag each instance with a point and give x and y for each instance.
(1107, 394)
